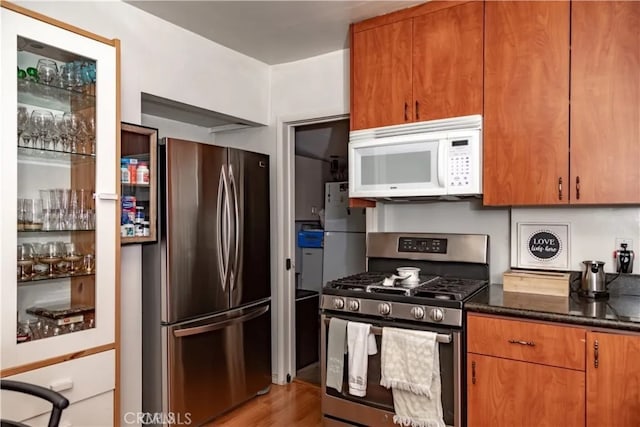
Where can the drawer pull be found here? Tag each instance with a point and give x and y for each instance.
(61, 385)
(529, 343)
(596, 362)
(473, 372)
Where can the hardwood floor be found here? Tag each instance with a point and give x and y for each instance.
(295, 404)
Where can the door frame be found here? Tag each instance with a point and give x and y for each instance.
(285, 297)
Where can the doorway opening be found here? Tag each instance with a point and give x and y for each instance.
(323, 243)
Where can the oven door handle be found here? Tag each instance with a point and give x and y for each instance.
(376, 330)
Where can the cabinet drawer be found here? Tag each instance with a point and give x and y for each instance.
(530, 342)
(76, 380)
(96, 411)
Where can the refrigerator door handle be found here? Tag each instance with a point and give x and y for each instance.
(197, 330)
(222, 228)
(236, 235)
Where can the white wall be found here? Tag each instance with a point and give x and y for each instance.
(593, 231)
(165, 60)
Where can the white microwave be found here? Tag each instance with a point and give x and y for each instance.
(434, 158)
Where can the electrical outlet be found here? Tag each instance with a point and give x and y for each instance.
(627, 240)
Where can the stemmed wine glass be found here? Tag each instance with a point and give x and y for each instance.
(41, 121)
(52, 255)
(89, 135)
(73, 124)
(47, 71)
(23, 120)
(25, 259)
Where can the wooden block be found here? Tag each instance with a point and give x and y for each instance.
(536, 282)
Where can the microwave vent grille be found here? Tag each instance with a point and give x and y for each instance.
(442, 125)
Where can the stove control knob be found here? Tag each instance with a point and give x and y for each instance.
(354, 305)
(384, 308)
(418, 312)
(338, 303)
(436, 314)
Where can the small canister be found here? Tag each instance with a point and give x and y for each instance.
(124, 171)
(128, 210)
(142, 173)
(146, 230)
(139, 215)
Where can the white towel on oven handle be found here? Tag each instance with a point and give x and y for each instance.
(360, 344)
(410, 365)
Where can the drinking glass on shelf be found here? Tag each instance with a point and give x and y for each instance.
(53, 252)
(72, 256)
(25, 259)
(69, 78)
(21, 214)
(28, 134)
(23, 120)
(47, 71)
(89, 263)
(90, 129)
(73, 125)
(33, 214)
(41, 121)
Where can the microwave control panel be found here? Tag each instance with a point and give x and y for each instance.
(460, 174)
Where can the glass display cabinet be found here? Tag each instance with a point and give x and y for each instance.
(59, 163)
(138, 183)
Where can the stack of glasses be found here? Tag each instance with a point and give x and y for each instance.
(57, 209)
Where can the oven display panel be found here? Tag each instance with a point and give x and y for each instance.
(431, 246)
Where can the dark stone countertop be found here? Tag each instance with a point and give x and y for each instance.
(621, 310)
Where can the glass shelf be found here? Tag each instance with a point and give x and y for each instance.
(56, 231)
(41, 277)
(28, 153)
(55, 98)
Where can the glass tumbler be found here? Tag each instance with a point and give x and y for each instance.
(33, 214)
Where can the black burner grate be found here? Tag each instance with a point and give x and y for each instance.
(445, 288)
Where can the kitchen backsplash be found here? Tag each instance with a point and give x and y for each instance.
(592, 230)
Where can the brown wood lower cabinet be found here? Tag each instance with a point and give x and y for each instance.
(530, 373)
(613, 380)
(503, 392)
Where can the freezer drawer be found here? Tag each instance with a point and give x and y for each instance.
(214, 365)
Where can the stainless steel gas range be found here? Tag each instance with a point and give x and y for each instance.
(453, 268)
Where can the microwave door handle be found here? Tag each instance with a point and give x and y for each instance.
(440, 166)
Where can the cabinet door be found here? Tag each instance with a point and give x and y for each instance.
(503, 392)
(447, 62)
(381, 76)
(59, 140)
(526, 105)
(605, 102)
(613, 375)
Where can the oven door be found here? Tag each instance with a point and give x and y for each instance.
(376, 408)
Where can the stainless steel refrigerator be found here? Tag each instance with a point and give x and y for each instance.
(206, 283)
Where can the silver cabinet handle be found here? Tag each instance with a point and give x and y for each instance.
(596, 360)
(106, 196)
(529, 343)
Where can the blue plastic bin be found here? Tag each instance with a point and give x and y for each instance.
(310, 238)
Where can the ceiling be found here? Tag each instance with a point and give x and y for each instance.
(273, 32)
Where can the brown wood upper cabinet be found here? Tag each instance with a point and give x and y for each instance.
(419, 64)
(556, 133)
